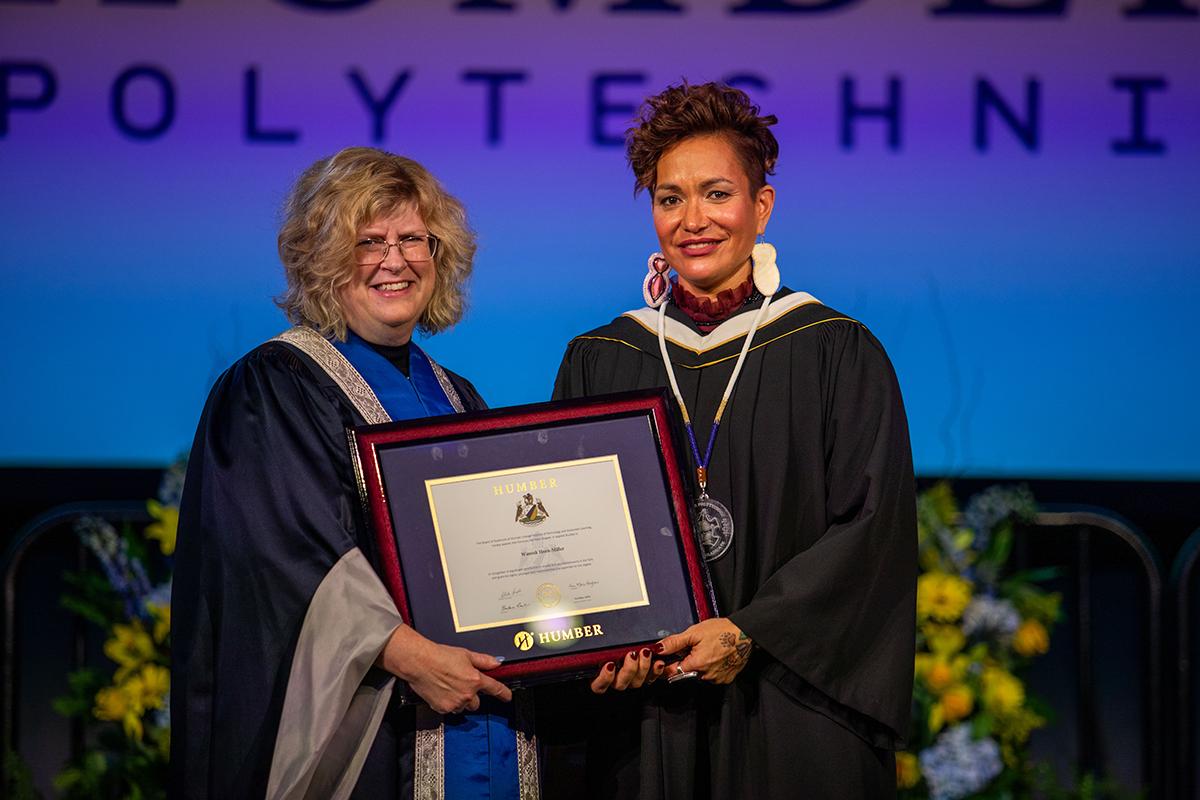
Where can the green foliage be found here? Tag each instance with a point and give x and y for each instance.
(1041, 606)
(116, 771)
(92, 597)
(18, 781)
(126, 593)
(994, 559)
(1047, 786)
(82, 686)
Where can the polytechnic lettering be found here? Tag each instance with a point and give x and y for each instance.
(870, 115)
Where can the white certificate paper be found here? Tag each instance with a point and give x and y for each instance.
(536, 543)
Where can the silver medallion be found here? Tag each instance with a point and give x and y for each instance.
(714, 527)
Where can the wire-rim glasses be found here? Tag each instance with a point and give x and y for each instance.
(373, 250)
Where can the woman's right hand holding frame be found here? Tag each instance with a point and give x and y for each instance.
(448, 678)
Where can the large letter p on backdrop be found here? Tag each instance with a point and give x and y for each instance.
(31, 74)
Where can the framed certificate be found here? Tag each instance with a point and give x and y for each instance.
(555, 536)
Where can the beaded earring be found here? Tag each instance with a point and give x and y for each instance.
(654, 287)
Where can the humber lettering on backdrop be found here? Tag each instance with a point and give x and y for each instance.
(871, 111)
(1145, 8)
(966, 8)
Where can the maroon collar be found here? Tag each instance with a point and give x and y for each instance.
(707, 312)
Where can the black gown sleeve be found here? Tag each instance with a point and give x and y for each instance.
(590, 368)
(840, 615)
(571, 380)
(472, 400)
(267, 512)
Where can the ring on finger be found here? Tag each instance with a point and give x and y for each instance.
(680, 675)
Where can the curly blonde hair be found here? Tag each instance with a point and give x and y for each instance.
(330, 203)
(681, 112)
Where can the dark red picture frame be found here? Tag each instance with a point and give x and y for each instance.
(371, 444)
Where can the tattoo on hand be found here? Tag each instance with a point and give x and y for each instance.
(741, 646)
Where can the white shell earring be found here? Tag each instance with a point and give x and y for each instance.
(654, 286)
(765, 270)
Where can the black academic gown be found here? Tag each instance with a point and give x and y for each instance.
(270, 505)
(813, 461)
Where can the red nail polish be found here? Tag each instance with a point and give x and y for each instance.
(631, 654)
(646, 652)
(658, 648)
(609, 667)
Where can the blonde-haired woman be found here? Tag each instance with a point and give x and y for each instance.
(286, 643)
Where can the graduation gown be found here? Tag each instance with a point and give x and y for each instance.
(813, 461)
(278, 611)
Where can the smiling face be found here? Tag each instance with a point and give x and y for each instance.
(706, 215)
(385, 300)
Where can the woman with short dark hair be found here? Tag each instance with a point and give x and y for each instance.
(803, 487)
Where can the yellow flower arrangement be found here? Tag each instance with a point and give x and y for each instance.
(162, 740)
(977, 622)
(956, 703)
(132, 725)
(939, 672)
(944, 640)
(1015, 728)
(1031, 639)
(941, 500)
(939, 677)
(1003, 692)
(126, 590)
(111, 703)
(123, 704)
(908, 770)
(155, 685)
(130, 646)
(162, 621)
(963, 539)
(139, 685)
(941, 596)
(165, 525)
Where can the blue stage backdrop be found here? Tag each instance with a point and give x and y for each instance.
(1006, 191)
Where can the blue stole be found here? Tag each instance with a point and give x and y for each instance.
(480, 749)
(419, 395)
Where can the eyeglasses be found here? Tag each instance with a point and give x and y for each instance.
(412, 248)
